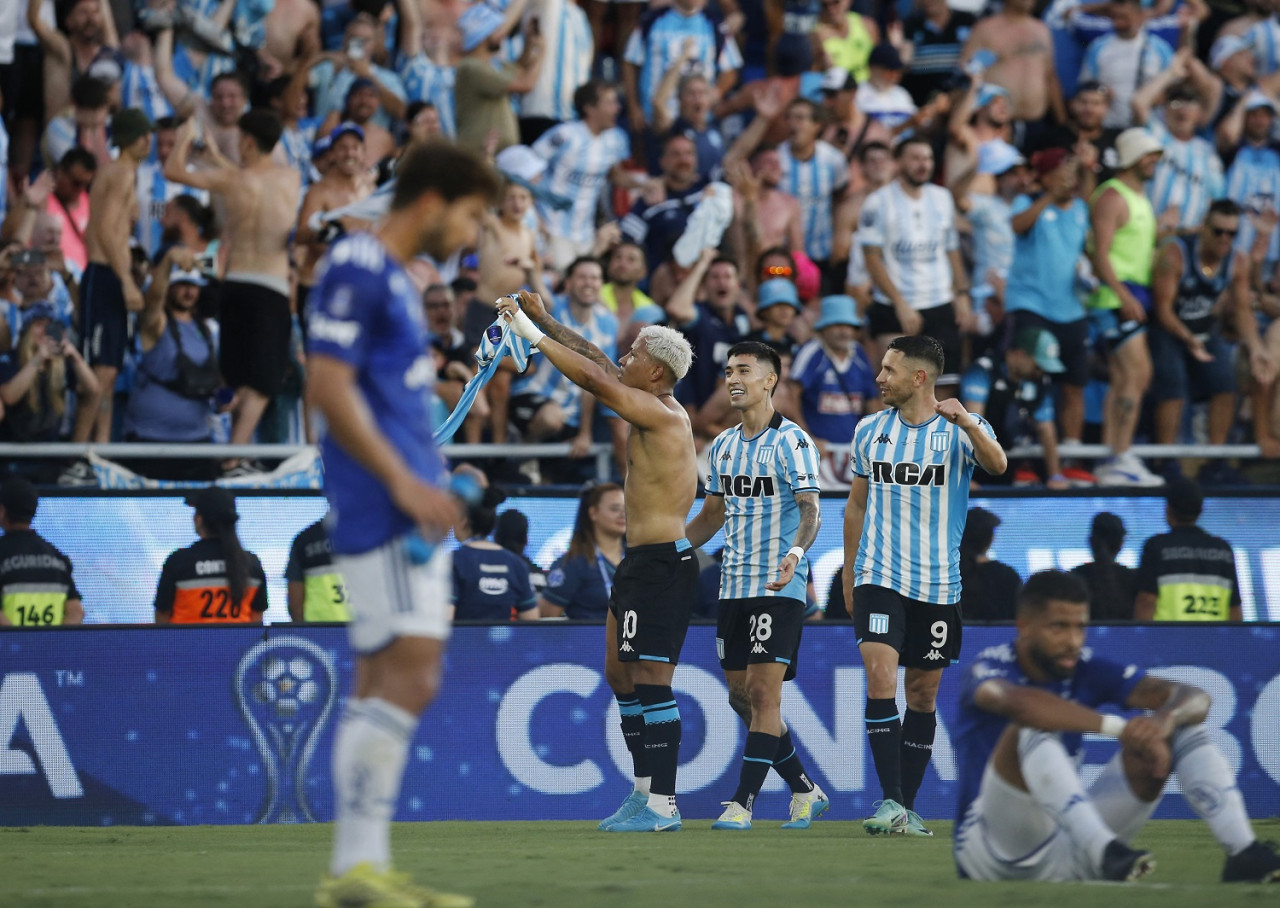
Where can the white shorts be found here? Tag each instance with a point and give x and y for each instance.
(1006, 835)
(391, 597)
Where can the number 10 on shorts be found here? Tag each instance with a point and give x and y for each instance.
(630, 621)
(878, 623)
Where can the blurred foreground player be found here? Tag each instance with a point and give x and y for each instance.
(1024, 813)
(371, 376)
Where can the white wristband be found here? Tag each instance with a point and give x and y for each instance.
(798, 552)
(1112, 726)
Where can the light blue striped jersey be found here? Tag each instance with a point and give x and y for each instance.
(758, 479)
(578, 165)
(1263, 40)
(1253, 183)
(914, 237)
(139, 88)
(154, 193)
(567, 40)
(1188, 177)
(813, 182)
(917, 501)
(1123, 65)
(601, 329)
(199, 78)
(656, 44)
(425, 80)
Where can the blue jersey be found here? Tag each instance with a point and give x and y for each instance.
(1096, 682)
(917, 500)
(1263, 40)
(1253, 183)
(710, 336)
(1188, 177)
(426, 80)
(835, 394)
(601, 329)
(758, 479)
(815, 182)
(364, 311)
(489, 583)
(581, 586)
(656, 45)
(1042, 278)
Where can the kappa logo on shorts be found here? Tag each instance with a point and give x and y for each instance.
(758, 649)
(625, 648)
(878, 624)
(933, 655)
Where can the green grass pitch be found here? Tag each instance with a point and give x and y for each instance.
(506, 865)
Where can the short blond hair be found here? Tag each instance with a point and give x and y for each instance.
(669, 347)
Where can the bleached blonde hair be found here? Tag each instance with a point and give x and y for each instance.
(669, 347)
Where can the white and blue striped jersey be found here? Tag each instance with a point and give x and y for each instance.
(568, 41)
(154, 193)
(989, 216)
(139, 88)
(917, 502)
(759, 478)
(1188, 177)
(425, 80)
(1123, 65)
(656, 44)
(578, 165)
(199, 78)
(914, 237)
(601, 329)
(813, 182)
(1253, 183)
(1263, 40)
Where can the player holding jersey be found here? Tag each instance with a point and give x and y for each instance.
(1024, 813)
(912, 463)
(763, 489)
(371, 376)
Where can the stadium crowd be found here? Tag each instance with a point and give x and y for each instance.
(1079, 201)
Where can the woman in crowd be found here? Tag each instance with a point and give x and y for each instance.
(580, 581)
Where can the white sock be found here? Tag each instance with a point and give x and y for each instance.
(663, 805)
(1210, 788)
(1051, 779)
(642, 784)
(369, 753)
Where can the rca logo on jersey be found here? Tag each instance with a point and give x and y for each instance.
(909, 474)
(23, 700)
(747, 486)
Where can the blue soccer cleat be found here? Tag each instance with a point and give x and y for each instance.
(804, 810)
(634, 803)
(648, 820)
(890, 818)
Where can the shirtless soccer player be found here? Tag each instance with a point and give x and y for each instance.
(656, 584)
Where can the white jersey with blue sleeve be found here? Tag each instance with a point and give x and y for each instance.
(426, 80)
(1188, 177)
(600, 328)
(759, 479)
(914, 237)
(365, 312)
(578, 165)
(917, 501)
(814, 182)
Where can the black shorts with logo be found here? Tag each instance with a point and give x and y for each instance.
(926, 634)
(654, 591)
(760, 629)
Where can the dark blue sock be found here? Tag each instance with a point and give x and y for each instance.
(884, 733)
(633, 733)
(756, 761)
(661, 736)
(917, 749)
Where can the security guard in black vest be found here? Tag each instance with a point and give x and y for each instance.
(36, 587)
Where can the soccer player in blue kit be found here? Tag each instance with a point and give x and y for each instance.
(912, 463)
(1024, 813)
(371, 377)
(762, 487)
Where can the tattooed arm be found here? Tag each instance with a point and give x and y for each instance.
(807, 532)
(533, 307)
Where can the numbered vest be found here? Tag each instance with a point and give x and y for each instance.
(326, 595)
(208, 601)
(1193, 597)
(35, 604)
(35, 580)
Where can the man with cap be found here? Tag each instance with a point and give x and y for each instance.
(980, 117)
(881, 97)
(108, 292)
(1123, 248)
(178, 369)
(1112, 586)
(36, 586)
(1016, 397)
(213, 580)
(836, 385)
(777, 305)
(361, 109)
(1253, 174)
(333, 76)
(1186, 574)
(482, 87)
(346, 180)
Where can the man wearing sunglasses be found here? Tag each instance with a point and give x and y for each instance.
(1190, 358)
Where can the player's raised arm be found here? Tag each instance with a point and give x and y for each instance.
(986, 450)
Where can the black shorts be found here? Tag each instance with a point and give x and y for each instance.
(654, 591)
(1073, 343)
(254, 348)
(104, 321)
(24, 91)
(925, 634)
(759, 630)
(938, 322)
(523, 408)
